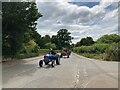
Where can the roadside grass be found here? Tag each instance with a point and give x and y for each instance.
(22, 56)
(95, 56)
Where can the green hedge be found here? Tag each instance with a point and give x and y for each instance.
(108, 52)
(96, 48)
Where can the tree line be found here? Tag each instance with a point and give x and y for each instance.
(19, 35)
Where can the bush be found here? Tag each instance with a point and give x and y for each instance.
(30, 47)
(112, 53)
(36, 49)
(100, 48)
(86, 49)
(43, 51)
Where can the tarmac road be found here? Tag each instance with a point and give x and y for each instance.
(74, 72)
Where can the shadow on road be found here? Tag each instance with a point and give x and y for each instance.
(48, 66)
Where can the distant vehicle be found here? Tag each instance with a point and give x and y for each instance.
(65, 52)
(50, 58)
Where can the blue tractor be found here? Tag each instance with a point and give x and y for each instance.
(50, 58)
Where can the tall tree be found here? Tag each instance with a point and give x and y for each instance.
(43, 41)
(85, 41)
(36, 37)
(63, 38)
(54, 40)
(17, 18)
(47, 39)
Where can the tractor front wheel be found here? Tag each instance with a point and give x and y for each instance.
(41, 63)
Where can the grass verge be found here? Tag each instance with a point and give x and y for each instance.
(95, 56)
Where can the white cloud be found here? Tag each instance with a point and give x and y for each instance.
(81, 21)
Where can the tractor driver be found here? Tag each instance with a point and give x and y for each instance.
(52, 52)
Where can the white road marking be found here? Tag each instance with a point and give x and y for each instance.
(77, 78)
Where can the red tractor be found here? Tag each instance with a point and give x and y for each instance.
(65, 52)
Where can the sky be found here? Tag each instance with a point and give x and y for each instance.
(82, 19)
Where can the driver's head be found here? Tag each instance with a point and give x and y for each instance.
(64, 49)
(51, 49)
